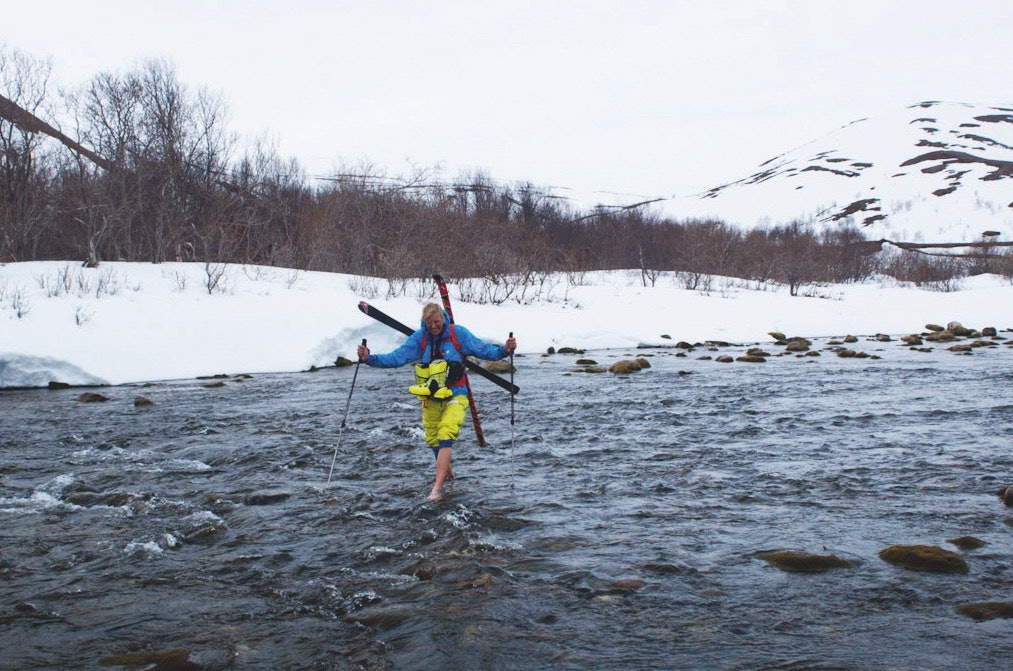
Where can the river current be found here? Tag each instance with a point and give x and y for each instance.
(615, 524)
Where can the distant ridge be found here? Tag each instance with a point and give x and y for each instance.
(931, 172)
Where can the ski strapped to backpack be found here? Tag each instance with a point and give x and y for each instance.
(445, 297)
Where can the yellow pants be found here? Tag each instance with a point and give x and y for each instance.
(442, 420)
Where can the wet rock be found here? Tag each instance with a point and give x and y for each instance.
(142, 402)
(924, 558)
(383, 616)
(214, 385)
(586, 362)
(959, 330)
(164, 660)
(25, 610)
(987, 610)
(941, 336)
(882, 337)
(342, 362)
(483, 580)
(777, 335)
(751, 358)
(627, 366)
(53, 384)
(989, 332)
(912, 340)
(935, 328)
(967, 542)
(1006, 495)
(92, 397)
(846, 353)
(627, 584)
(266, 498)
(500, 367)
(797, 345)
(724, 358)
(850, 339)
(207, 535)
(804, 562)
(670, 568)
(86, 498)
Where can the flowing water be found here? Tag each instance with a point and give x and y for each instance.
(615, 525)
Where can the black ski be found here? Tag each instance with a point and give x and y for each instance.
(386, 319)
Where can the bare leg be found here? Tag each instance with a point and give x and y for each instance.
(443, 472)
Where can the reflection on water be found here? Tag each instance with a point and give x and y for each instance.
(615, 526)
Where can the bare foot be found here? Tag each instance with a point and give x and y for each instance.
(435, 495)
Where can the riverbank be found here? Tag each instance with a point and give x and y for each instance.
(136, 322)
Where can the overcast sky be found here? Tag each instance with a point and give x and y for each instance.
(644, 98)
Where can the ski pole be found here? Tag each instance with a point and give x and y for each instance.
(513, 396)
(341, 431)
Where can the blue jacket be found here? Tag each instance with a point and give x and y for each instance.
(439, 347)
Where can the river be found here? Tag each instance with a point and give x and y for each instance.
(615, 524)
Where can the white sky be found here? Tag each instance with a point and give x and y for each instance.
(640, 97)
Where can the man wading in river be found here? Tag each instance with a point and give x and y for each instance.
(439, 348)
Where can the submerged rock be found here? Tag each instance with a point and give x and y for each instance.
(987, 610)
(266, 498)
(163, 660)
(924, 558)
(967, 542)
(804, 562)
(92, 397)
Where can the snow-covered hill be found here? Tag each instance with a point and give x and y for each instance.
(931, 172)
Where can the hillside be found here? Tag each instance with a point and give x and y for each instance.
(930, 172)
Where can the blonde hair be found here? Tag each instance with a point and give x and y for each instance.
(430, 309)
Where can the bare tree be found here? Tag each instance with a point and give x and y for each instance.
(24, 199)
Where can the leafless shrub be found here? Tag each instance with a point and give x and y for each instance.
(107, 283)
(18, 301)
(215, 277)
(82, 315)
(366, 287)
(82, 283)
(178, 278)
